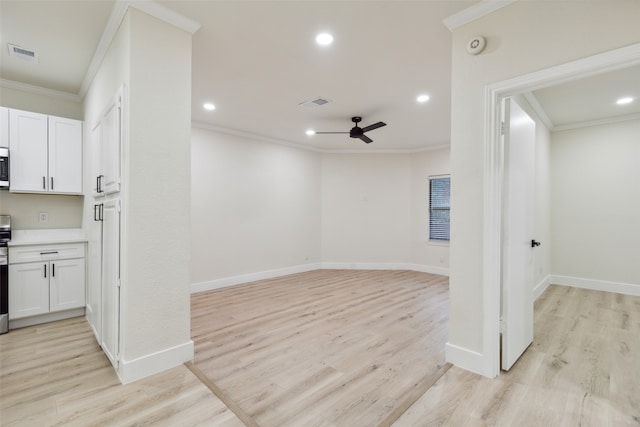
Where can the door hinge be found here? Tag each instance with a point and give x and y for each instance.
(118, 283)
(501, 128)
(501, 325)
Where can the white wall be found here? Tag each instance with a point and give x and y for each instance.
(596, 204)
(434, 256)
(255, 207)
(366, 208)
(261, 209)
(64, 211)
(523, 37)
(155, 248)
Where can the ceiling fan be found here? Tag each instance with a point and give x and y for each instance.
(358, 132)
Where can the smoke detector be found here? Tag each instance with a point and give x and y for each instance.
(22, 53)
(315, 102)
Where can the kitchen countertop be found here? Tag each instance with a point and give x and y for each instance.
(47, 236)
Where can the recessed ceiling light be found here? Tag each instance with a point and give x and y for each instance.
(208, 106)
(422, 98)
(311, 132)
(625, 100)
(324, 39)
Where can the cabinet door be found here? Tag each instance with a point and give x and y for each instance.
(96, 161)
(28, 289)
(111, 141)
(94, 274)
(4, 127)
(66, 284)
(111, 280)
(28, 151)
(65, 155)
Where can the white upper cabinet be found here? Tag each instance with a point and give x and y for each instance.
(28, 151)
(65, 155)
(4, 127)
(45, 153)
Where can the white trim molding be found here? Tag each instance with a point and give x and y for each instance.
(251, 277)
(474, 12)
(463, 357)
(141, 367)
(280, 272)
(597, 285)
(493, 177)
(39, 90)
(539, 289)
(118, 13)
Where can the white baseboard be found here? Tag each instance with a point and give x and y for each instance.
(384, 266)
(466, 359)
(251, 277)
(270, 274)
(541, 287)
(45, 318)
(597, 285)
(133, 370)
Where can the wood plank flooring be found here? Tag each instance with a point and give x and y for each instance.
(56, 375)
(325, 348)
(583, 369)
(337, 348)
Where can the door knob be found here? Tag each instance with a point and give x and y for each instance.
(534, 243)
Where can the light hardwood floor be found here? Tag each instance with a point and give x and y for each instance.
(583, 369)
(56, 375)
(337, 348)
(325, 348)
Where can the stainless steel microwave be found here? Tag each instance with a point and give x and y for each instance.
(4, 167)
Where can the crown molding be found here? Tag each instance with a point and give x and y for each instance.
(39, 90)
(599, 122)
(117, 15)
(474, 12)
(165, 14)
(537, 107)
(244, 134)
(115, 19)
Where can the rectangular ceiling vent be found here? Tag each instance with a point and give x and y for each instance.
(22, 53)
(315, 102)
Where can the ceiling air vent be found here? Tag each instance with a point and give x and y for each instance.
(22, 53)
(315, 102)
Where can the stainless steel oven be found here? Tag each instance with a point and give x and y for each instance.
(4, 167)
(5, 236)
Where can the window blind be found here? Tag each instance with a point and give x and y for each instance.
(439, 208)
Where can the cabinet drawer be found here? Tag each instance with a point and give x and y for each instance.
(20, 254)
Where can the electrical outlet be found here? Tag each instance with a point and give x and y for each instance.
(44, 217)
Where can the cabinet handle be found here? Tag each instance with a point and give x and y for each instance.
(51, 183)
(45, 271)
(96, 209)
(101, 211)
(48, 253)
(53, 270)
(44, 182)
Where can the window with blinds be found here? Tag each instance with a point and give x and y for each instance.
(439, 208)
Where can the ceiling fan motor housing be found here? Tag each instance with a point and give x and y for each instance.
(356, 132)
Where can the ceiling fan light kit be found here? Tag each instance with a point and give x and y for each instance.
(357, 131)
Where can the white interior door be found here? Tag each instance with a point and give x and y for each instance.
(517, 248)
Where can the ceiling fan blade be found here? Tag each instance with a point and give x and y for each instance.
(373, 126)
(326, 133)
(365, 138)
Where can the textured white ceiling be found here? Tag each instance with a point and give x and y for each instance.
(257, 61)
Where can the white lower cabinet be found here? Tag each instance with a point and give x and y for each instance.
(49, 285)
(103, 299)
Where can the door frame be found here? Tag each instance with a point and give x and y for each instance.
(494, 175)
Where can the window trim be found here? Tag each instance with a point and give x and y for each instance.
(432, 241)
